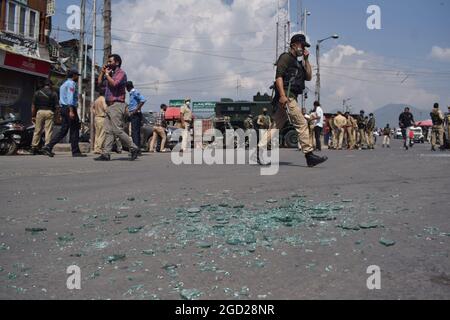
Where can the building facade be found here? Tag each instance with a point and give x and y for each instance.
(24, 57)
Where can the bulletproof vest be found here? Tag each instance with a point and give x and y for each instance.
(361, 122)
(437, 121)
(295, 74)
(45, 99)
(371, 124)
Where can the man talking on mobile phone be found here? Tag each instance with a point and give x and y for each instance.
(114, 79)
(291, 75)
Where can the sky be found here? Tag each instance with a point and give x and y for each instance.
(210, 49)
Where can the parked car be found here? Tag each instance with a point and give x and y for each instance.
(398, 134)
(418, 135)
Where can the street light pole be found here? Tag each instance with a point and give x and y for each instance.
(318, 64)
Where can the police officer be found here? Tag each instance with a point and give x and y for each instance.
(186, 122)
(387, 136)
(136, 102)
(332, 143)
(248, 123)
(371, 123)
(361, 120)
(290, 83)
(264, 122)
(350, 132)
(438, 127)
(43, 109)
(340, 122)
(68, 100)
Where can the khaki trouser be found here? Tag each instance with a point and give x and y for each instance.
(437, 130)
(340, 137)
(297, 119)
(362, 138)
(312, 138)
(158, 132)
(100, 134)
(370, 139)
(335, 138)
(350, 137)
(386, 141)
(185, 136)
(44, 121)
(114, 123)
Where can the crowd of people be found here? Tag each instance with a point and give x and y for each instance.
(339, 132)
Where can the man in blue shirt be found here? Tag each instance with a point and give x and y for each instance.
(135, 105)
(68, 100)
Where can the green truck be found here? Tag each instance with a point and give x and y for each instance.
(231, 115)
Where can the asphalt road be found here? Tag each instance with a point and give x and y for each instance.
(301, 234)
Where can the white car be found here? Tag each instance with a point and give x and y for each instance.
(418, 135)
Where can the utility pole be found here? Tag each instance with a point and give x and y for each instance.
(335, 36)
(283, 27)
(107, 29)
(318, 72)
(94, 43)
(80, 56)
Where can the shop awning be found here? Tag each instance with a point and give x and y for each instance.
(20, 63)
(425, 123)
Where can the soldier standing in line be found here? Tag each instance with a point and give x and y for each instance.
(350, 134)
(438, 127)
(332, 144)
(340, 122)
(370, 130)
(248, 123)
(361, 130)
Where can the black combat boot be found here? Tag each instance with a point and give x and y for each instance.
(103, 157)
(312, 160)
(46, 151)
(134, 154)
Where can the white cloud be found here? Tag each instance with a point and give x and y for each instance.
(441, 54)
(244, 30)
(370, 81)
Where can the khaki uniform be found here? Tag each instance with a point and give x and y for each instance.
(350, 132)
(369, 131)
(45, 102)
(44, 122)
(438, 129)
(280, 117)
(333, 143)
(248, 124)
(99, 121)
(186, 113)
(340, 122)
(264, 122)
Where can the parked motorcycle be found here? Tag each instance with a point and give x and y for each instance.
(14, 135)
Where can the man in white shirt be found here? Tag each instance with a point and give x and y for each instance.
(318, 128)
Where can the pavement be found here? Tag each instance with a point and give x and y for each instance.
(153, 230)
